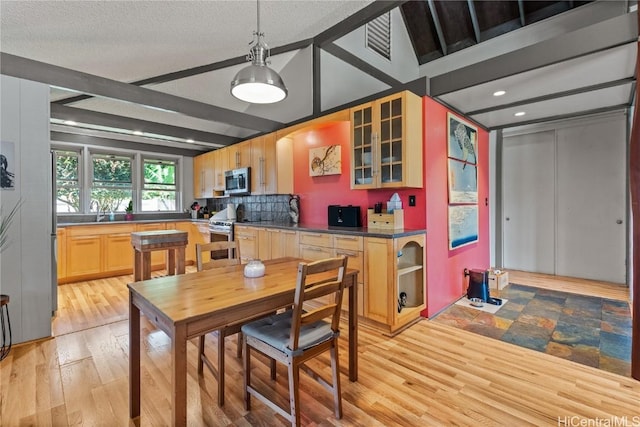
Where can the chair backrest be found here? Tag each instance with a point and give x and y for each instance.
(317, 279)
(232, 249)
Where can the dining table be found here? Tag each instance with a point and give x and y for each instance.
(189, 305)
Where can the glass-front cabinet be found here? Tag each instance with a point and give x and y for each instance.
(386, 143)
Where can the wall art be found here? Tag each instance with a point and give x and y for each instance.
(462, 140)
(463, 182)
(463, 225)
(7, 165)
(325, 161)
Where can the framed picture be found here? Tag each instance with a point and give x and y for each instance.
(463, 182)
(463, 225)
(7, 165)
(462, 140)
(325, 161)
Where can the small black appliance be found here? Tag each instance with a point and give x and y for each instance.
(344, 216)
(479, 286)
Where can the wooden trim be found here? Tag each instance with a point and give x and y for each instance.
(634, 185)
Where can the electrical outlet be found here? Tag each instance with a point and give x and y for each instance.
(412, 200)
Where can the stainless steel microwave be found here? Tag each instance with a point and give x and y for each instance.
(237, 182)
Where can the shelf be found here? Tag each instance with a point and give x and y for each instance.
(408, 269)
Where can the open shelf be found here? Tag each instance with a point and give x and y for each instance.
(405, 269)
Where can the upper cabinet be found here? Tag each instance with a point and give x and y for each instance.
(239, 155)
(221, 164)
(263, 165)
(203, 175)
(386, 143)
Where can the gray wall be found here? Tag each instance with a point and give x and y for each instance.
(25, 264)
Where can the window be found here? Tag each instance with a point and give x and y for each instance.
(111, 186)
(68, 181)
(378, 35)
(159, 185)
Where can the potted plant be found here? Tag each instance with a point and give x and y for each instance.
(128, 215)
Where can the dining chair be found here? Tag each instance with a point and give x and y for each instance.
(297, 335)
(233, 258)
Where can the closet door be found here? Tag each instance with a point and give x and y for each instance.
(528, 182)
(591, 205)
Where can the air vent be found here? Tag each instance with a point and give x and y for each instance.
(379, 35)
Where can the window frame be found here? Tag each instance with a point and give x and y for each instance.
(159, 158)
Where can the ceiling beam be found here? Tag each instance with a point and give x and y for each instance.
(438, 25)
(190, 72)
(81, 115)
(601, 36)
(355, 21)
(555, 95)
(28, 69)
(523, 20)
(474, 20)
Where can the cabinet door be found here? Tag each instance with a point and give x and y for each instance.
(363, 155)
(221, 164)
(198, 176)
(264, 243)
(288, 244)
(247, 239)
(390, 140)
(84, 255)
(380, 284)
(118, 252)
(313, 253)
(62, 252)
(239, 155)
(263, 165)
(209, 174)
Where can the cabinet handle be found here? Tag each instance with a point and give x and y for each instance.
(311, 248)
(346, 238)
(237, 159)
(201, 182)
(347, 253)
(262, 172)
(374, 154)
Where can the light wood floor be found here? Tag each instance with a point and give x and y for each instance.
(429, 375)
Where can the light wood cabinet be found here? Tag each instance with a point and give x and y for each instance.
(277, 243)
(353, 248)
(239, 155)
(118, 252)
(198, 233)
(386, 143)
(85, 255)
(395, 267)
(247, 238)
(263, 165)
(62, 253)
(221, 164)
(203, 175)
(158, 258)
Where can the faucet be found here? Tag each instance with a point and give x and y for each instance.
(98, 216)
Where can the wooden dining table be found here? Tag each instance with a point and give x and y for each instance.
(190, 305)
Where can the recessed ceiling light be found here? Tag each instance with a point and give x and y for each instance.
(499, 92)
(520, 114)
(189, 140)
(70, 123)
(137, 132)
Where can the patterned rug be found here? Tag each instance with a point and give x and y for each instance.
(589, 330)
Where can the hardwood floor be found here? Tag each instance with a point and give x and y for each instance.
(429, 375)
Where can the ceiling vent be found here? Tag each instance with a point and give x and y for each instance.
(378, 35)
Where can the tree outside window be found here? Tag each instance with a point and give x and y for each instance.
(112, 184)
(67, 181)
(159, 188)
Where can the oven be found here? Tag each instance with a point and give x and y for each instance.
(220, 230)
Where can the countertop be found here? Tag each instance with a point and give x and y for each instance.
(323, 228)
(141, 221)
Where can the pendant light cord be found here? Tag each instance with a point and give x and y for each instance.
(258, 15)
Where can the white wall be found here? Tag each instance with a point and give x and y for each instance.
(25, 265)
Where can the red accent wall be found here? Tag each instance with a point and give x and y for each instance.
(445, 268)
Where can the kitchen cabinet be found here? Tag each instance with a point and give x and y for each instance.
(395, 268)
(62, 253)
(85, 255)
(198, 233)
(277, 243)
(386, 143)
(203, 175)
(239, 155)
(118, 252)
(315, 246)
(247, 238)
(353, 248)
(221, 164)
(263, 165)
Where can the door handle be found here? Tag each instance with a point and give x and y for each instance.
(618, 221)
(507, 219)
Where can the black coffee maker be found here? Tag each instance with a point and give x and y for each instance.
(479, 286)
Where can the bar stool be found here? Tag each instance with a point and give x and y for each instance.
(6, 326)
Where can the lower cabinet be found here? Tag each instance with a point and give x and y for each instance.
(62, 253)
(247, 238)
(277, 243)
(118, 252)
(395, 270)
(198, 233)
(84, 255)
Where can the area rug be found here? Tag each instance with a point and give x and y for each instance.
(487, 308)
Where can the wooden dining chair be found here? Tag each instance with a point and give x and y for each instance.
(233, 258)
(296, 335)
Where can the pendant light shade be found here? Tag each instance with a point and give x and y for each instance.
(257, 83)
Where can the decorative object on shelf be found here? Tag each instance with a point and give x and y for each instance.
(195, 207)
(402, 301)
(128, 212)
(294, 208)
(258, 83)
(255, 268)
(325, 160)
(5, 321)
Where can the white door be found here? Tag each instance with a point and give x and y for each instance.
(528, 180)
(591, 203)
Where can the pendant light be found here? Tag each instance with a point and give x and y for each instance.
(257, 83)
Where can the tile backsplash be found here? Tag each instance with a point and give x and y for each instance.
(274, 207)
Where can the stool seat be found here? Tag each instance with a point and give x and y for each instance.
(144, 242)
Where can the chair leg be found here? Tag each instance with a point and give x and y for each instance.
(200, 353)
(294, 395)
(239, 346)
(246, 358)
(221, 337)
(335, 374)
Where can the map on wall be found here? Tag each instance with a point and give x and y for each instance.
(463, 225)
(463, 182)
(325, 161)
